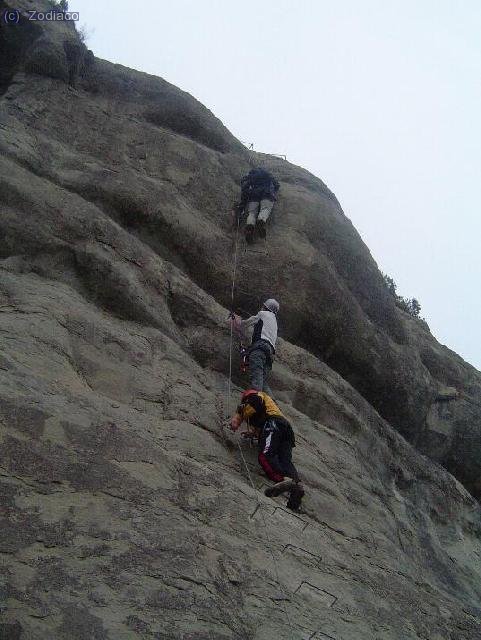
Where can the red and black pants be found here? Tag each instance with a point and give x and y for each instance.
(275, 449)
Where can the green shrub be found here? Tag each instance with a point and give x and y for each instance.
(60, 4)
(409, 305)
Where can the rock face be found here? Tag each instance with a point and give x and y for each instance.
(128, 510)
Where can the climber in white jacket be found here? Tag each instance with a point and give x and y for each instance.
(263, 343)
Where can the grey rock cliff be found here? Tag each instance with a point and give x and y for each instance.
(127, 509)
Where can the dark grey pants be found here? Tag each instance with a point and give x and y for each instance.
(259, 210)
(259, 367)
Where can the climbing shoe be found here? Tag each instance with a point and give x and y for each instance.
(280, 487)
(261, 228)
(295, 498)
(249, 233)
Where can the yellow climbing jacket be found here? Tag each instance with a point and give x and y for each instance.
(256, 407)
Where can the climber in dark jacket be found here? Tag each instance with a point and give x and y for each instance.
(263, 345)
(276, 440)
(258, 193)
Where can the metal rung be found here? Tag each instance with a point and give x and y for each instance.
(257, 251)
(328, 598)
(305, 552)
(293, 515)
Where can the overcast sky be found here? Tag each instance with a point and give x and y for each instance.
(379, 98)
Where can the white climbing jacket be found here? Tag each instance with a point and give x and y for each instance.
(264, 326)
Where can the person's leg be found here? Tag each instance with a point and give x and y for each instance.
(257, 367)
(265, 208)
(265, 387)
(280, 487)
(252, 211)
(295, 497)
(285, 460)
(269, 443)
(288, 468)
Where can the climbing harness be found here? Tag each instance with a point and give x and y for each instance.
(244, 358)
(243, 349)
(243, 352)
(250, 435)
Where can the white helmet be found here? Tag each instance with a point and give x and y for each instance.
(271, 305)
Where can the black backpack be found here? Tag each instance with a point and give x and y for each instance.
(259, 178)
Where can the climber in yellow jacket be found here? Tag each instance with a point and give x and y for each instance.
(276, 440)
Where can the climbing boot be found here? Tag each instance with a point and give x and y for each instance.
(295, 498)
(280, 487)
(249, 233)
(261, 228)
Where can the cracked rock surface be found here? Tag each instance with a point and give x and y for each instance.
(127, 511)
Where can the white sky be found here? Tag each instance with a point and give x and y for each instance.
(379, 98)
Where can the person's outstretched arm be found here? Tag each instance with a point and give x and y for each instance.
(245, 411)
(249, 322)
(235, 421)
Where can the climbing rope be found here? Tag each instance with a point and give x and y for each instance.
(229, 393)
(232, 292)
